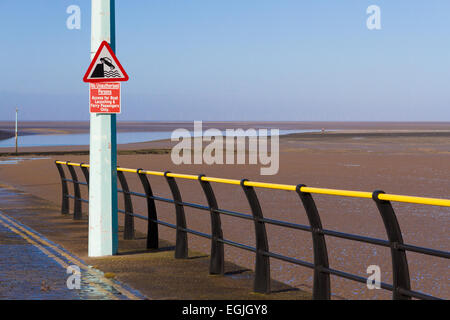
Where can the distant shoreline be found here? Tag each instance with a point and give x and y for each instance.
(67, 127)
(164, 146)
(369, 134)
(332, 131)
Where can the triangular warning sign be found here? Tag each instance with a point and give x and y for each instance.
(105, 67)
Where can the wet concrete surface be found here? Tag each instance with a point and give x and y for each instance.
(37, 244)
(34, 268)
(27, 273)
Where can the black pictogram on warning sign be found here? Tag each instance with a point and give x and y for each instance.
(105, 67)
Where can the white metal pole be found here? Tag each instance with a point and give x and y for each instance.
(103, 222)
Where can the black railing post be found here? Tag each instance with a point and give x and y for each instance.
(321, 289)
(216, 263)
(65, 190)
(77, 215)
(85, 171)
(400, 270)
(128, 226)
(152, 225)
(181, 245)
(262, 265)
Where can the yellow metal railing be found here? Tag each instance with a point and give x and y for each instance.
(286, 187)
(400, 287)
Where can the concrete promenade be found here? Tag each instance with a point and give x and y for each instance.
(35, 268)
(38, 244)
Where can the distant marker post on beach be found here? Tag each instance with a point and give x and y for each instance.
(103, 224)
(17, 145)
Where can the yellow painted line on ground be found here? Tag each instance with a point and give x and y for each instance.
(37, 245)
(36, 237)
(46, 252)
(73, 260)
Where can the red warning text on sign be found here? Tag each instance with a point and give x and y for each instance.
(104, 97)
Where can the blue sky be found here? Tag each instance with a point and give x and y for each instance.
(234, 60)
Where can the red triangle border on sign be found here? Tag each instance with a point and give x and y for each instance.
(93, 62)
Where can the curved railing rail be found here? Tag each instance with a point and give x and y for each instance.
(400, 287)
